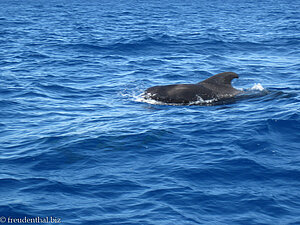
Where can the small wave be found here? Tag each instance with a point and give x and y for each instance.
(8, 103)
(289, 126)
(58, 88)
(85, 47)
(139, 44)
(32, 55)
(31, 94)
(148, 62)
(123, 44)
(17, 23)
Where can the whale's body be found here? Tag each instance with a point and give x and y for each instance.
(217, 87)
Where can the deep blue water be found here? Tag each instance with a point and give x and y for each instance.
(78, 143)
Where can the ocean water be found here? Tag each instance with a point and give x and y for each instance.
(79, 145)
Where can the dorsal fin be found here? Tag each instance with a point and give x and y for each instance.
(221, 79)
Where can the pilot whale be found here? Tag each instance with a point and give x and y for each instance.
(217, 87)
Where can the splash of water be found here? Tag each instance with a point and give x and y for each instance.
(257, 87)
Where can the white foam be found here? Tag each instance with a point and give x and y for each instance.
(145, 99)
(142, 98)
(257, 87)
(201, 101)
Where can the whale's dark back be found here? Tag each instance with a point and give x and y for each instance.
(214, 88)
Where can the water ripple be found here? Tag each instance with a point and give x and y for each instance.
(78, 144)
